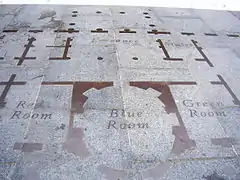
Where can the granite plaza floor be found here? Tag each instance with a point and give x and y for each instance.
(119, 93)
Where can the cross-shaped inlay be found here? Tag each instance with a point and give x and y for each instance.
(205, 58)
(27, 47)
(66, 48)
(223, 82)
(8, 85)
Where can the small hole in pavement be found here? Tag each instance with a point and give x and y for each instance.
(147, 17)
(122, 12)
(71, 24)
(74, 15)
(145, 13)
(135, 58)
(152, 25)
(100, 58)
(98, 12)
(74, 12)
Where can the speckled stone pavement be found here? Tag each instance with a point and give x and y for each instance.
(119, 93)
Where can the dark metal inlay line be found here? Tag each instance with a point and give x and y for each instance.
(167, 56)
(232, 35)
(8, 85)
(66, 48)
(127, 31)
(69, 30)
(10, 30)
(58, 58)
(187, 33)
(210, 34)
(205, 58)
(182, 83)
(58, 83)
(56, 46)
(224, 83)
(99, 30)
(35, 31)
(27, 47)
(158, 32)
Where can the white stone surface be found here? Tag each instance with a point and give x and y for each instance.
(116, 109)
